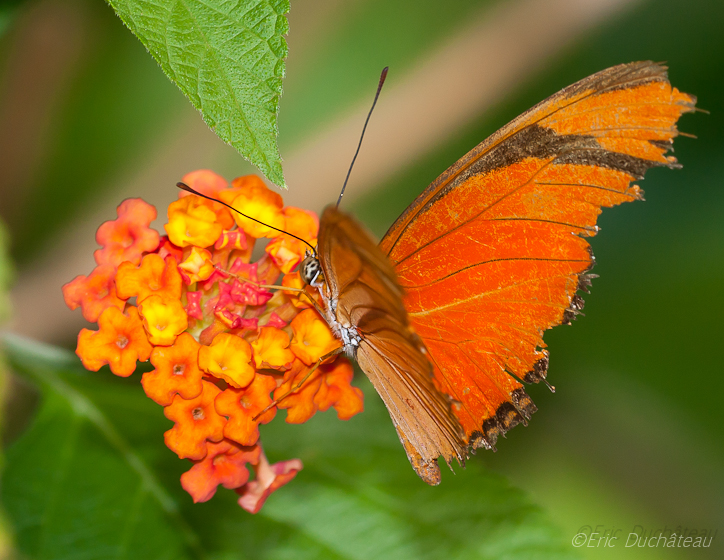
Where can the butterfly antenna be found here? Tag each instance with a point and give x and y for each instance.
(185, 187)
(379, 88)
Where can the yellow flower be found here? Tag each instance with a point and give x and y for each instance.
(271, 349)
(192, 222)
(197, 266)
(228, 358)
(163, 319)
(312, 337)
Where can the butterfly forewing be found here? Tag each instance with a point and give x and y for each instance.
(494, 251)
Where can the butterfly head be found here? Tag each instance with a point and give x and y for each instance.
(310, 270)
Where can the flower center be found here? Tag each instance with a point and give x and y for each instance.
(198, 413)
(179, 369)
(122, 341)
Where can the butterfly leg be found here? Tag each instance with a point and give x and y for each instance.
(298, 386)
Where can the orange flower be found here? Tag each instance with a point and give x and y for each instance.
(128, 237)
(205, 181)
(177, 371)
(329, 386)
(209, 183)
(196, 421)
(191, 221)
(241, 405)
(256, 201)
(119, 342)
(163, 319)
(312, 337)
(198, 265)
(335, 390)
(154, 276)
(228, 358)
(269, 478)
(299, 300)
(225, 464)
(94, 293)
(168, 249)
(286, 251)
(199, 302)
(271, 349)
(299, 404)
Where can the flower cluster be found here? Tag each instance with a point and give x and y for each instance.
(228, 349)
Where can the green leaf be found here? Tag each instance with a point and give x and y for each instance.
(228, 58)
(73, 485)
(92, 479)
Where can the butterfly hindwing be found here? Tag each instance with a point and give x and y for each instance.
(361, 290)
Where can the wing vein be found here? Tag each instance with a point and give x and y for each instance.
(492, 261)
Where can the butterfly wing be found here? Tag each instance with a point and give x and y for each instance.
(362, 293)
(494, 252)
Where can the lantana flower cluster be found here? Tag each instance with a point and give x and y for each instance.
(225, 345)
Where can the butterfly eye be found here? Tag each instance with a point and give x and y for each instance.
(310, 270)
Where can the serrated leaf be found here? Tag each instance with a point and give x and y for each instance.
(91, 479)
(228, 58)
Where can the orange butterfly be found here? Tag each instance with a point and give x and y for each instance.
(446, 314)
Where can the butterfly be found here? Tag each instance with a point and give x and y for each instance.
(446, 314)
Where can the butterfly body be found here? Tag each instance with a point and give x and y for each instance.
(446, 314)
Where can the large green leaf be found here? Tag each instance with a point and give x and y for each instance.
(92, 479)
(228, 58)
(74, 487)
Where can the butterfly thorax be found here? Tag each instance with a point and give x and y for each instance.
(311, 273)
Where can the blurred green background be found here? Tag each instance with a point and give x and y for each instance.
(633, 435)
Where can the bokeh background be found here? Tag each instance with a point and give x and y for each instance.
(633, 435)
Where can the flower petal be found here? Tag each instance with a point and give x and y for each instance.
(241, 405)
(119, 342)
(254, 199)
(191, 221)
(312, 337)
(177, 371)
(94, 293)
(197, 266)
(163, 319)
(196, 421)
(228, 358)
(271, 349)
(154, 276)
(225, 464)
(298, 402)
(337, 391)
(128, 237)
(269, 478)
